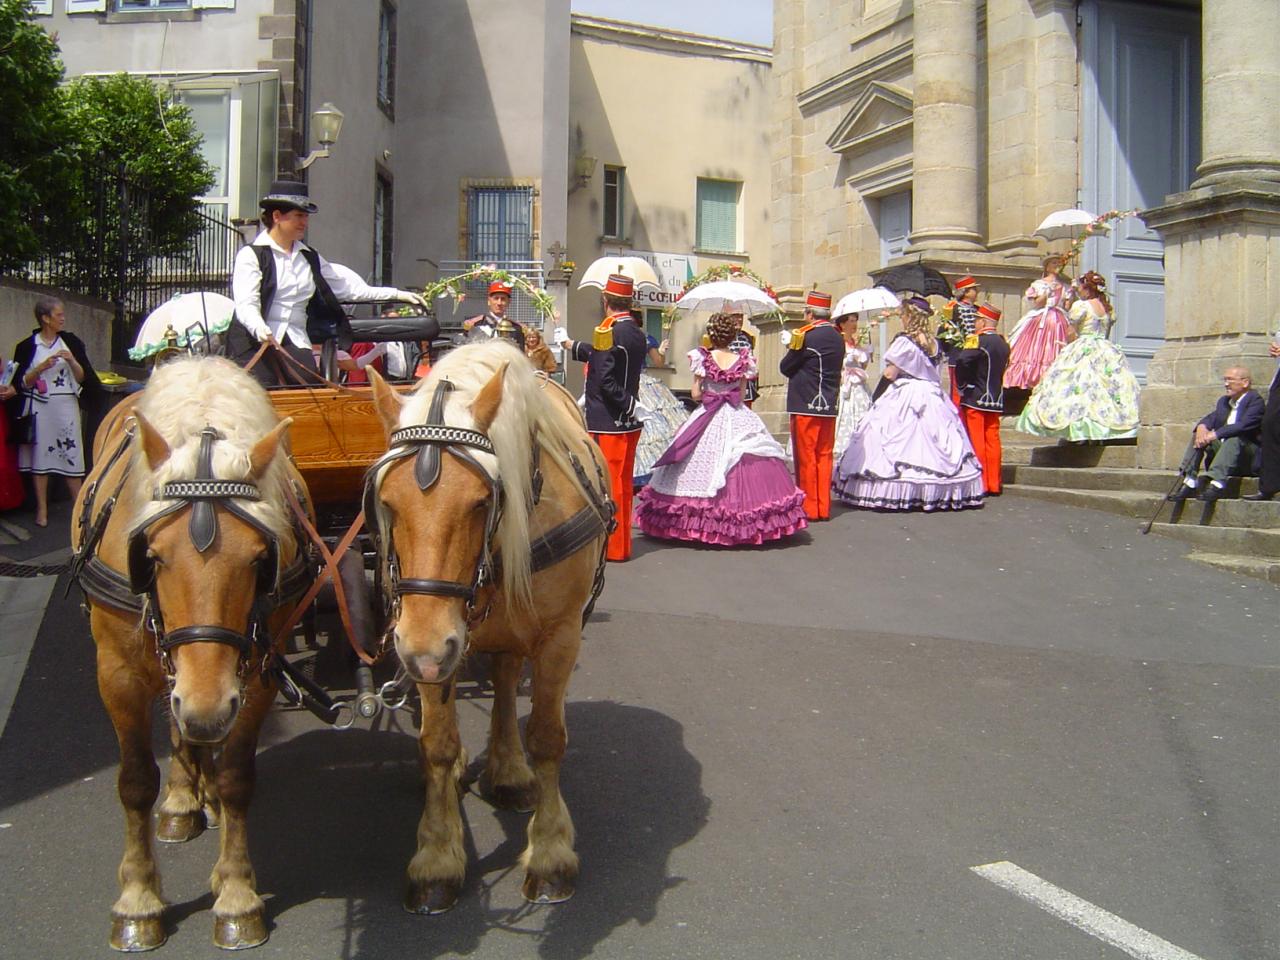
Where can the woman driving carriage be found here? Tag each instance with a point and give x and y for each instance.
(278, 282)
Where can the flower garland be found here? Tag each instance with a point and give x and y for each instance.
(1094, 229)
(452, 287)
(721, 271)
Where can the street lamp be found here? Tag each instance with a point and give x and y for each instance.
(327, 122)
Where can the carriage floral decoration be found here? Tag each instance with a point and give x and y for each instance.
(453, 288)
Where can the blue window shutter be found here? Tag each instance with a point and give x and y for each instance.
(718, 215)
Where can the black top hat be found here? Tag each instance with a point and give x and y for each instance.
(290, 195)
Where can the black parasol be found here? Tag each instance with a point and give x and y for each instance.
(912, 277)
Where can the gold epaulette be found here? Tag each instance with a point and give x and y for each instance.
(971, 342)
(602, 336)
(797, 336)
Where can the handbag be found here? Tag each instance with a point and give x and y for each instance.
(23, 428)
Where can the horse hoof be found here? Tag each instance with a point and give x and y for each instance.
(240, 933)
(137, 934)
(428, 899)
(519, 799)
(547, 889)
(179, 827)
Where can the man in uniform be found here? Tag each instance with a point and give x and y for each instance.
(493, 322)
(979, 377)
(812, 364)
(614, 357)
(964, 314)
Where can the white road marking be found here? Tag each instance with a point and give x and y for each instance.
(1081, 914)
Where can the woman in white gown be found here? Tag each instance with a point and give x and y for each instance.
(855, 400)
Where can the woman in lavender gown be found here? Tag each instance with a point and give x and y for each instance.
(724, 479)
(910, 451)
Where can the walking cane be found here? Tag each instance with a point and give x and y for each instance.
(1160, 506)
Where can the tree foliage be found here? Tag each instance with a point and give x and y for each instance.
(67, 146)
(129, 121)
(36, 149)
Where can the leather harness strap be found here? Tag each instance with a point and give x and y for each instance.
(328, 572)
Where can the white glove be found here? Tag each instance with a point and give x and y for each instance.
(408, 296)
(785, 337)
(560, 335)
(642, 413)
(365, 359)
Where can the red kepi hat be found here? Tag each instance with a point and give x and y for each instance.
(991, 313)
(820, 300)
(964, 283)
(500, 286)
(619, 286)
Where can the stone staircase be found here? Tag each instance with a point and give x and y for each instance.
(1232, 534)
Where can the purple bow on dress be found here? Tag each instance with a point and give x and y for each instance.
(686, 441)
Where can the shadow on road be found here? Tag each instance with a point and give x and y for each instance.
(343, 828)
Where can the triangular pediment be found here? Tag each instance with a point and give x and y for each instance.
(883, 109)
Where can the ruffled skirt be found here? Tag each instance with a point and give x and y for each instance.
(855, 401)
(758, 502)
(1038, 338)
(1089, 393)
(669, 414)
(910, 452)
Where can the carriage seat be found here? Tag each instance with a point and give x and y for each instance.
(379, 330)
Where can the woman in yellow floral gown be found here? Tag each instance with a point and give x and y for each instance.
(1089, 392)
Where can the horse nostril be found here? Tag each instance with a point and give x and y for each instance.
(450, 649)
(175, 702)
(233, 704)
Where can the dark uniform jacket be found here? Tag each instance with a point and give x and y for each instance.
(1248, 425)
(813, 371)
(485, 327)
(613, 377)
(980, 373)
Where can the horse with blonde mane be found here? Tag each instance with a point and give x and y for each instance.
(187, 553)
(490, 511)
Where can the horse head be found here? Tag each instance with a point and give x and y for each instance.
(437, 499)
(207, 565)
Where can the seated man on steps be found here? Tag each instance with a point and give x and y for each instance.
(1226, 437)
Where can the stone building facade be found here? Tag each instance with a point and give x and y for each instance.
(945, 130)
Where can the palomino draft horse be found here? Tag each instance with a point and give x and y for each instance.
(185, 548)
(490, 510)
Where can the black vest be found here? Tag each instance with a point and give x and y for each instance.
(326, 320)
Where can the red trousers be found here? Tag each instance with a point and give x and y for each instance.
(619, 451)
(812, 440)
(984, 433)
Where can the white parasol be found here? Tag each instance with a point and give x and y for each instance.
(872, 298)
(731, 296)
(1069, 224)
(637, 268)
(193, 316)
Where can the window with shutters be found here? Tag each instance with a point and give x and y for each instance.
(382, 230)
(499, 224)
(126, 6)
(387, 58)
(719, 223)
(613, 181)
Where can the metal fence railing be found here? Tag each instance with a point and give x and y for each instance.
(104, 247)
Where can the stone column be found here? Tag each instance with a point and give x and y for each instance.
(944, 206)
(1241, 53)
(1221, 237)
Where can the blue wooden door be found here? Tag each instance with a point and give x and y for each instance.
(1140, 120)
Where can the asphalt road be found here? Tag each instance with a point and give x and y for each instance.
(798, 751)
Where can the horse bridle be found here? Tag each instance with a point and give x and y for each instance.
(426, 442)
(204, 495)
